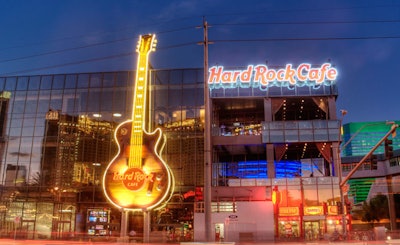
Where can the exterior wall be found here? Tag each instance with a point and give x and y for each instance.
(253, 221)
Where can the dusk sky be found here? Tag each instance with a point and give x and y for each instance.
(361, 38)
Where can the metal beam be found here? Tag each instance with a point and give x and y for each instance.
(391, 131)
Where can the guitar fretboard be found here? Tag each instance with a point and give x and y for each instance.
(139, 103)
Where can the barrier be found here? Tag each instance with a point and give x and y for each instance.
(393, 241)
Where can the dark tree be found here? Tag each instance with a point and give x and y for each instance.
(376, 209)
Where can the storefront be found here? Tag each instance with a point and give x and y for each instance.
(314, 223)
(289, 223)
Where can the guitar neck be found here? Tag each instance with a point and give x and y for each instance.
(139, 105)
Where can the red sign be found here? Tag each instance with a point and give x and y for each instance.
(263, 75)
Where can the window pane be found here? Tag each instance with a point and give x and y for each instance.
(10, 83)
(58, 82)
(95, 80)
(34, 83)
(22, 83)
(108, 79)
(122, 79)
(46, 82)
(2, 82)
(83, 80)
(70, 81)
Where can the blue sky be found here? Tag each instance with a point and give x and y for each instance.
(361, 38)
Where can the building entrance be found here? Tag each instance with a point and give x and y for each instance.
(311, 230)
(27, 229)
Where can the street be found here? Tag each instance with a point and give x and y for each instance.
(57, 242)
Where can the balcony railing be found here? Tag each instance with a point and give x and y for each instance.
(300, 131)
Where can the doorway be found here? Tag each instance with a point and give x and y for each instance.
(27, 229)
(219, 232)
(311, 230)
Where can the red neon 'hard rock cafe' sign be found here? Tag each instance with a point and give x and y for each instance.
(263, 76)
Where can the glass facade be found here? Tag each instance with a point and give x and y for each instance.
(57, 138)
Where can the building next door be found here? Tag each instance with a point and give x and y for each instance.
(312, 230)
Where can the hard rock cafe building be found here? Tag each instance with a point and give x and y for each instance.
(275, 137)
(274, 146)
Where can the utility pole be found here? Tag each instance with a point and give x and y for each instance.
(207, 142)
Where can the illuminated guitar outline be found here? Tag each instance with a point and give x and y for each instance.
(137, 178)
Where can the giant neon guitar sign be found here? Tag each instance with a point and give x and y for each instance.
(137, 177)
(262, 76)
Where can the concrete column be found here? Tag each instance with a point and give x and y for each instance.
(270, 161)
(267, 109)
(331, 108)
(146, 226)
(124, 225)
(268, 117)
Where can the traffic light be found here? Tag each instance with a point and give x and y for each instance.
(374, 162)
(388, 148)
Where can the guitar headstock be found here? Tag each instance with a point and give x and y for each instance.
(146, 44)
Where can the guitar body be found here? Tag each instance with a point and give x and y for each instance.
(143, 186)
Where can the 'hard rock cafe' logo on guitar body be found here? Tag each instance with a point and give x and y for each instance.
(137, 177)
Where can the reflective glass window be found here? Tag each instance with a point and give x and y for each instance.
(190, 97)
(310, 195)
(15, 131)
(175, 97)
(325, 193)
(39, 129)
(22, 83)
(34, 83)
(10, 83)
(160, 77)
(82, 100)
(19, 106)
(70, 81)
(94, 101)
(122, 79)
(58, 82)
(44, 101)
(2, 82)
(106, 101)
(56, 99)
(46, 82)
(96, 80)
(16, 123)
(293, 196)
(83, 81)
(70, 104)
(27, 131)
(32, 102)
(176, 77)
(191, 76)
(108, 80)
